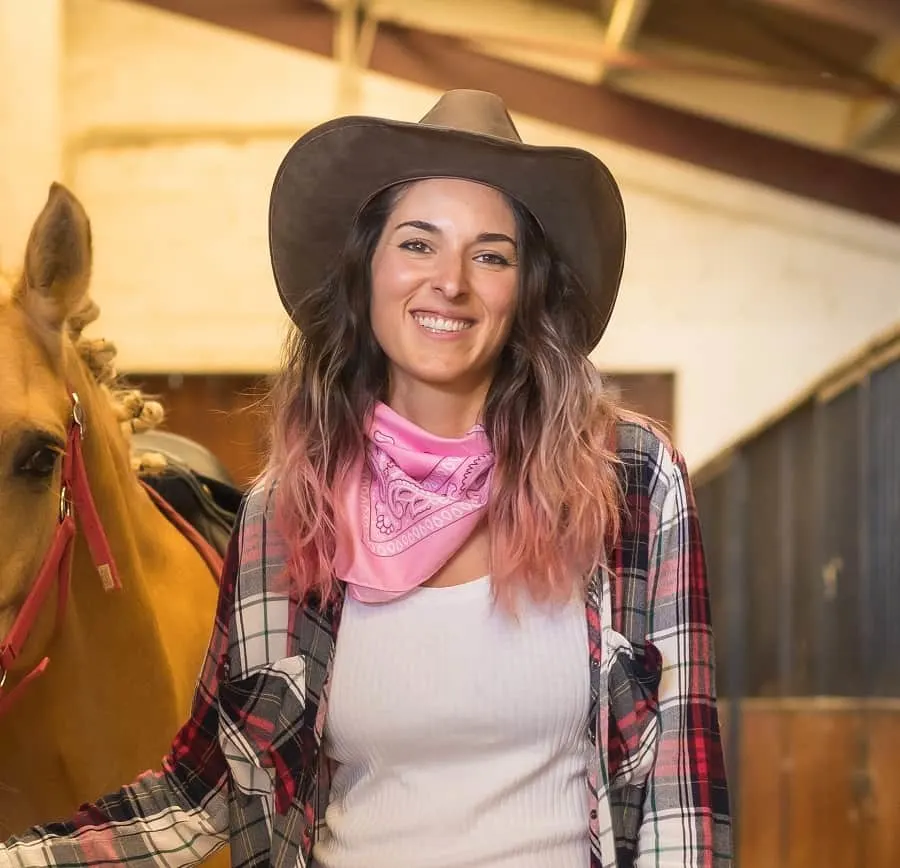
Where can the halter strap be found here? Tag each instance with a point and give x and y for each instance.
(74, 496)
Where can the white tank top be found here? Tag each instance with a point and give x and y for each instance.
(461, 734)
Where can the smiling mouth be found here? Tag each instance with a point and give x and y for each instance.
(441, 324)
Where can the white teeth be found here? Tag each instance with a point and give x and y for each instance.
(441, 324)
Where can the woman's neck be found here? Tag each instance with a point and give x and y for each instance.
(442, 412)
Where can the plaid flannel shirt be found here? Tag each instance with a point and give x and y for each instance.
(247, 768)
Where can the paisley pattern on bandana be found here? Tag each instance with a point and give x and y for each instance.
(414, 500)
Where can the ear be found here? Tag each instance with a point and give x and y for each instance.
(58, 258)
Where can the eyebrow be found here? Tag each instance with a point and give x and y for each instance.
(484, 237)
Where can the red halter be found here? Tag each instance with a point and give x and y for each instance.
(74, 496)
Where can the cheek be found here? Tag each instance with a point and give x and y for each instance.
(391, 287)
(501, 301)
(384, 310)
(29, 524)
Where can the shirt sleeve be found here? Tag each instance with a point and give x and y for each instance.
(174, 816)
(686, 815)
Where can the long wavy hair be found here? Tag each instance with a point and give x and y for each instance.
(555, 499)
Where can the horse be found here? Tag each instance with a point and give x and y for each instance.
(107, 596)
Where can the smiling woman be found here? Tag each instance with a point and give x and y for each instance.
(464, 616)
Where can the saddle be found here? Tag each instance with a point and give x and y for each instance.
(193, 482)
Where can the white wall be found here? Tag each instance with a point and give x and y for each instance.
(30, 133)
(174, 131)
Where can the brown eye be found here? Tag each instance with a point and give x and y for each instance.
(38, 459)
(492, 259)
(415, 246)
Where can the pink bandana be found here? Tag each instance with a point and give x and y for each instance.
(414, 501)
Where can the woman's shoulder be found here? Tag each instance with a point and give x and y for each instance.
(262, 551)
(642, 440)
(649, 461)
(256, 519)
(259, 499)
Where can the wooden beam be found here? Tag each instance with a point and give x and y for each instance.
(877, 17)
(346, 54)
(552, 37)
(575, 44)
(493, 19)
(442, 63)
(621, 32)
(535, 52)
(869, 117)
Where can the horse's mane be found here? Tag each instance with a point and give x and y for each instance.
(134, 410)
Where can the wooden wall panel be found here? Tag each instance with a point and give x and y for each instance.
(824, 822)
(816, 784)
(881, 797)
(652, 394)
(227, 413)
(758, 802)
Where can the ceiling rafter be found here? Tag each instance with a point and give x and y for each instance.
(828, 64)
(576, 44)
(878, 17)
(867, 118)
(442, 62)
(622, 29)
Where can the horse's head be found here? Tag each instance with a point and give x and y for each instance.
(35, 406)
(52, 380)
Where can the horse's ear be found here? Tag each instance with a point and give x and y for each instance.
(58, 260)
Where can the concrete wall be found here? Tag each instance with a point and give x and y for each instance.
(171, 134)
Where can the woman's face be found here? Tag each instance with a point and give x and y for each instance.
(444, 284)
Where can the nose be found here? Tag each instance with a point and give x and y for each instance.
(450, 274)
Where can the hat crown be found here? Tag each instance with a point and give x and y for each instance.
(473, 111)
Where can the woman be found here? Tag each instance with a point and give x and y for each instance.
(523, 674)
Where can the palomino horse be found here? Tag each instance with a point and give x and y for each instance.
(106, 606)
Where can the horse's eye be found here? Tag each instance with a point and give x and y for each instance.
(38, 458)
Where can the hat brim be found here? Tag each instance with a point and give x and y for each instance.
(329, 174)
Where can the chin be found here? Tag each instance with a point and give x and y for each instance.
(441, 379)
(458, 382)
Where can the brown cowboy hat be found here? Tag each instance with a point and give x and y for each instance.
(335, 169)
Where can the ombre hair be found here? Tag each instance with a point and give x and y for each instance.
(555, 502)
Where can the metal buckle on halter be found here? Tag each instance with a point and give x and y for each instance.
(78, 413)
(65, 505)
(3, 674)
